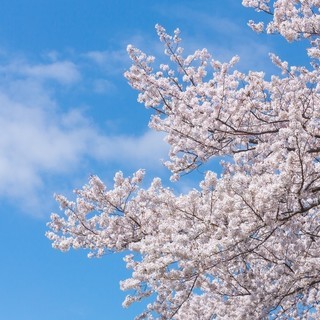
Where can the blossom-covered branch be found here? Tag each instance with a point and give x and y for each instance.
(244, 245)
(293, 19)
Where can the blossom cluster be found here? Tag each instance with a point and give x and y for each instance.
(244, 245)
(293, 19)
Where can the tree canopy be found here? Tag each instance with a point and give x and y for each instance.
(246, 243)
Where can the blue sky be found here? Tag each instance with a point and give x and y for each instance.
(66, 112)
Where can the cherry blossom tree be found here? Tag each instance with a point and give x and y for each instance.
(246, 243)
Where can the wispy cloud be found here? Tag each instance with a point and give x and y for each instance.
(112, 61)
(40, 138)
(64, 72)
(146, 150)
(103, 86)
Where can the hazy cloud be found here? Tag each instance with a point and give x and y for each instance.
(41, 138)
(103, 86)
(111, 61)
(145, 151)
(64, 72)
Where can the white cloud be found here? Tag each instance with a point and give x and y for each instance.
(41, 140)
(33, 142)
(113, 62)
(144, 151)
(99, 57)
(103, 86)
(64, 72)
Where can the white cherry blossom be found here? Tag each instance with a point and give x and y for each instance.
(246, 244)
